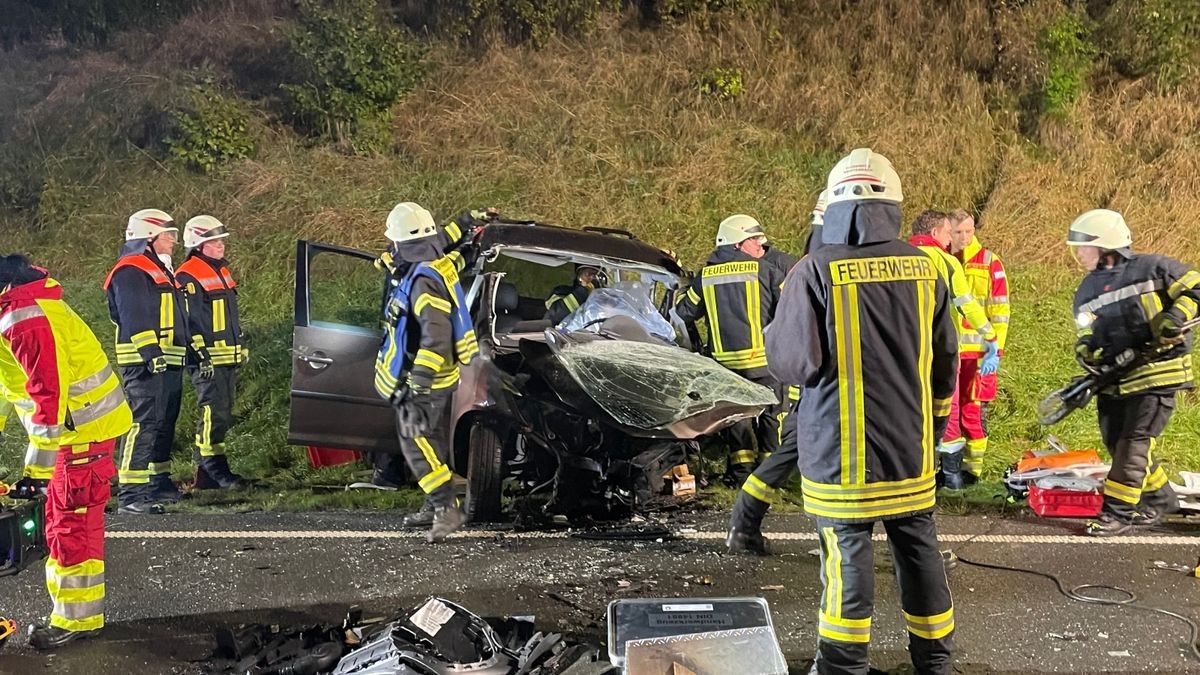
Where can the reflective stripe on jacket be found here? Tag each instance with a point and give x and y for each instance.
(989, 285)
(427, 330)
(50, 355)
(145, 305)
(736, 294)
(973, 326)
(869, 332)
(212, 308)
(1114, 307)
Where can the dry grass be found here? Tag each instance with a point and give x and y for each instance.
(613, 131)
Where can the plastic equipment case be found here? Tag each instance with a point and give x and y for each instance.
(1060, 503)
(22, 534)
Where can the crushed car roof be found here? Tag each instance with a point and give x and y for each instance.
(606, 243)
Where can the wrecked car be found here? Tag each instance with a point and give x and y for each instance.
(584, 412)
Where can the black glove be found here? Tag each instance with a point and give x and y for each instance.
(29, 488)
(416, 417)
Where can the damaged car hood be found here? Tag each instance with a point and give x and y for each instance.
(650, 385)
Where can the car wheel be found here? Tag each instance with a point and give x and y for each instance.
(485, 474)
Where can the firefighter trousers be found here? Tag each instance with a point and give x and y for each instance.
(1130, 427)
(428, 456)
(967, 426)
(752, 441)
(146, 448)
(761, 488)
(848, 578)
(214, 396)
(75, 502)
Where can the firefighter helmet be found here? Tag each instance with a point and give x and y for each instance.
(1101, 228)
(148, 224)
(863, 174)
(409, 221)
(818, 212)
(739, 228)
(202, 229)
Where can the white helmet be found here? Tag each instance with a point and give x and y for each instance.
(818, 212)
(739, 228)
(409, 221)
(148, 224)
(863, 174)
(203, 229)
(1101, 228)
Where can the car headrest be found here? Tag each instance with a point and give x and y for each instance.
(507, 298)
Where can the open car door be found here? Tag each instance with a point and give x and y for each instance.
(339, 296)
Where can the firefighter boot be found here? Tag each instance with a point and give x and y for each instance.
(446, 520)
(422, 518)
(45, 638)
(1156, 506)
(952, 474)
(745, 526)
(163, 490)
(213, 473)
(1108, 525)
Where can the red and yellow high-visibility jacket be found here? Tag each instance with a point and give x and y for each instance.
(50, 355)
(989, 285)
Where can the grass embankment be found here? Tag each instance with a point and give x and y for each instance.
(614, 131)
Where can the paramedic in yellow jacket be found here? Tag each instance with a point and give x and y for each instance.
(931, 234)
(79, 410)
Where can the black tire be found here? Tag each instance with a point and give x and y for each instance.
(485, 474)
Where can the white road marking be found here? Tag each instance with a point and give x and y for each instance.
(1055, 539)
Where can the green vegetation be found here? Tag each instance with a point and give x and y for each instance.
(352, 68)
(610, 130)
(211, 130)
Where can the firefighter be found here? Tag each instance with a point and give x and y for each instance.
(989, 286)
(761, 488)
(455, 238)
(1132, 301)
(427, 335)
(866, 325)
(147, 307)
(50, 356)
(566, 299)
(216, 349)
(931, 234)
(736, 293)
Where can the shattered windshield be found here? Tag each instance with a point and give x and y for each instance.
(646, 385)
(631, 299)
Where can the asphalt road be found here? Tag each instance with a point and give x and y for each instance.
(173, 579)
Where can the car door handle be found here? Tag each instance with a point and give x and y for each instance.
(316, 362)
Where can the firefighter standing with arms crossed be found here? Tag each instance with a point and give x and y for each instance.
(736, 292)
(213, 320)
(866, 326)
(428, 334)
(1133, 301)
(48, 353)
(145, 304)
(976, 335)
